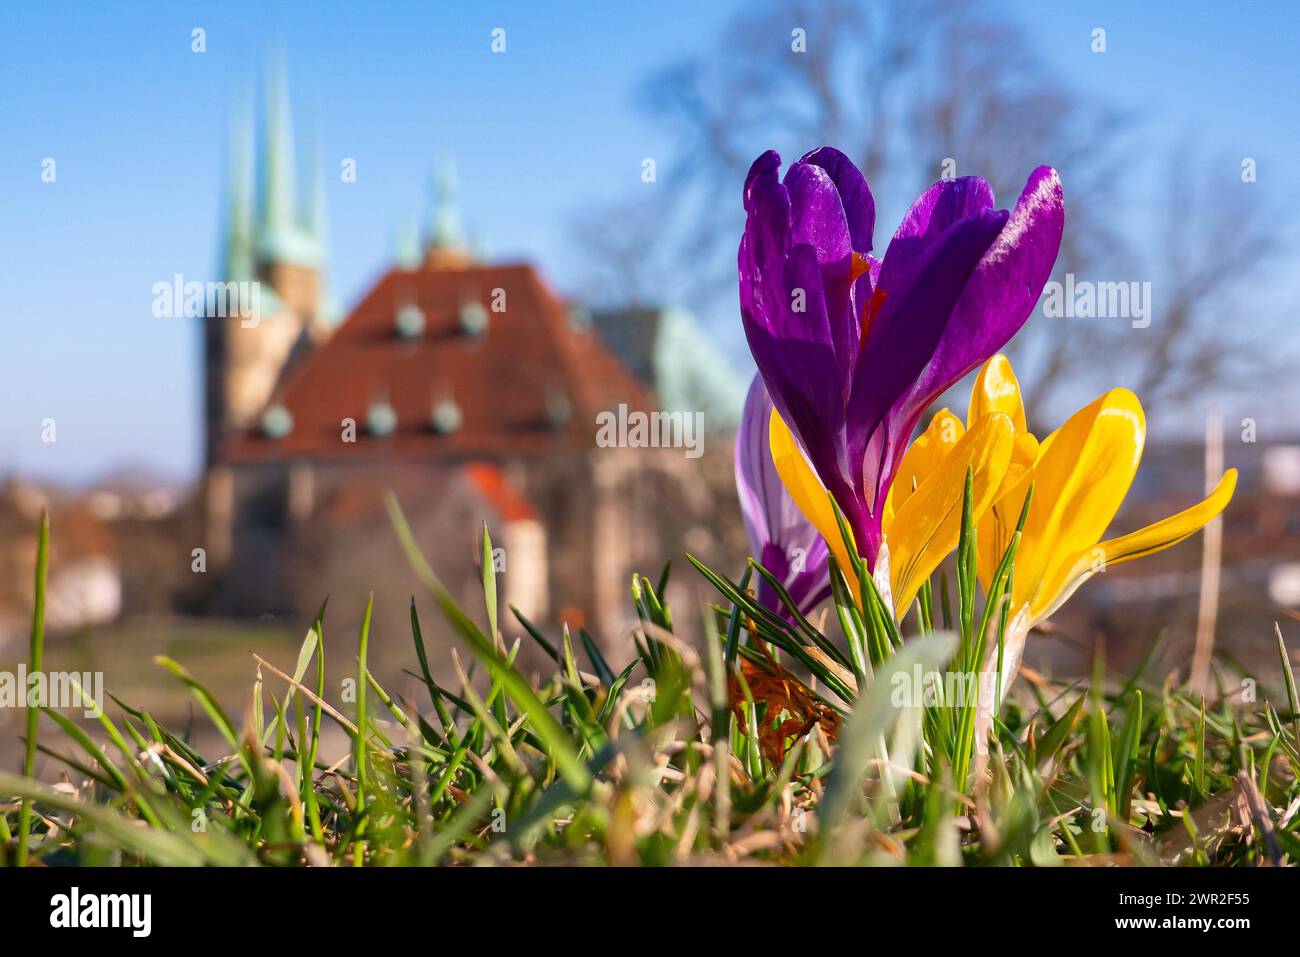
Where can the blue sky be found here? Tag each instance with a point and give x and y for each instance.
(136, 123)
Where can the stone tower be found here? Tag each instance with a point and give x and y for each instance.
(273, 251)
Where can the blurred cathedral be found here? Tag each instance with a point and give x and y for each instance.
(468, 388)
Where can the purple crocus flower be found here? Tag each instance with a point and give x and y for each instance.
(780, 538)
(854, 349)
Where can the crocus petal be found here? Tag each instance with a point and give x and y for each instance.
(859, 204)
(1004, 289)
(767, 209)
(940, 207)
(756, 476)
(997, 390)
(818, 220)
(911, 320)
(999, 522)
(1145, 541)
(780, 538)
(1174, 529)
(790, 339)
(996, 301)
(792, 334)
(1080, 480)
(808, 493)
(928, 525)
(922, 458)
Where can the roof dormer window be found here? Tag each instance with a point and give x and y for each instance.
(446, 417)
(277, 422)
(381, 419)
(473, 317)
(558, 409)
(410, 321)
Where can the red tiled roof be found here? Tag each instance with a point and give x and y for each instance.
(508, 381)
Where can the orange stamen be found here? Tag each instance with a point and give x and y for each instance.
(870, 311)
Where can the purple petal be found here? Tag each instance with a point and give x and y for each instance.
(1004, 288)
(798, 303)
(915, 314)
(860, 213)
(756, 476)
(805, 573)
(767, 208)
(817, 219)
(855, 196)
(816, 213)
(936, 210)
(797, 360)
(780, 538)
(944, 203)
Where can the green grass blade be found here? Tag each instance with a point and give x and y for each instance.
(35, 663)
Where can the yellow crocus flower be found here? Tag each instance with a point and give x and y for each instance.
(1080, 474)
(921, 520)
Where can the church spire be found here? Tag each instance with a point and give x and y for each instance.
(237, 243)
(313, 215)
(444, 238)
(277, 152)
(288, 232)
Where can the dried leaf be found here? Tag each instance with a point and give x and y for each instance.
(792, 710)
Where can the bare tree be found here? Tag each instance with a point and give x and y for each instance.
(1220, 242)
(903, 86)
(623, 243)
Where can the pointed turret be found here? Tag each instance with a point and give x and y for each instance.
(237, 247)
(280, 248)
(282, 238)
(313, 215)
(277, 181)
(444, 240)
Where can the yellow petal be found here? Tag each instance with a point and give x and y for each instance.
(1145, 541)
(996, 390)
(926, 527)
(1172, 530)
(999, 522)
(1083, 472)
(922, 458)
(808, 493)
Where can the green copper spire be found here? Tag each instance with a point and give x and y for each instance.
(277, 185)
(281, 233)
(314, 220)
(443, 229)
(237, 248)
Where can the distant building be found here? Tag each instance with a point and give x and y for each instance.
(669, 352)
(84, 581)
(469, 389)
